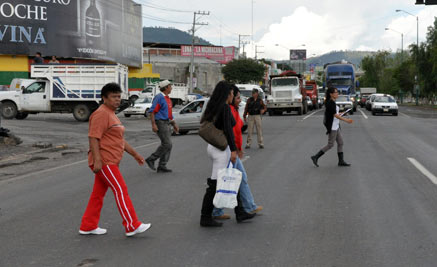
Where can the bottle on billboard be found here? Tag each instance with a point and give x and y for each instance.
(93, 25)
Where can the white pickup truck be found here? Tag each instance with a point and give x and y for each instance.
(62, 89)
(179, 93)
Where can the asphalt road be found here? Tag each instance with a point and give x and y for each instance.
(381, 211)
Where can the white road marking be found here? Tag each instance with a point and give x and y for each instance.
(59, 167)
(423, 170)
(405, 115)
(306, 117)
(245, 158)
(365, 116)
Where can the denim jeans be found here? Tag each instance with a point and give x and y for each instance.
(245, 194)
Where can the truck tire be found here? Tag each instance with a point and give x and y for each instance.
(126, 115)
(270, 112)
(82, 112)
(146, 114)
(21, 115)
(299, 111)
(9, 110)
(305, 109)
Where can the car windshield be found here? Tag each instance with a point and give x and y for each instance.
(285, 82)
(143, 100)
(385, 99)
(148, 90)
(342, 82)
(246, 93)
(342, 98)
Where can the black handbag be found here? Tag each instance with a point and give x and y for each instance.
(212, 135)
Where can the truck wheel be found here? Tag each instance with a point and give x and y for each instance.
(146, 114)
(299, 111)
(9, 110)
(81, 112)
(21, 115)
(271, 112)
(126, 115)
(183, 132)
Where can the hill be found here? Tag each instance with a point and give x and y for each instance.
(170, 36)
(354, 57)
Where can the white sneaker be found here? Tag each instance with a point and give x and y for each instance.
(97, 231)
(142, 228)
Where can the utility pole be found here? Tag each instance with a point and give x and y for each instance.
(256, 51)
(239, 42)
(193, 30)
(244, 45)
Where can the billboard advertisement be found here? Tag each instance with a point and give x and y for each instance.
(220, 54)
(109, 30)
(298, 54)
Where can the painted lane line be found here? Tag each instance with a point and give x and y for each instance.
(365, 116)
(405, 115)
(59, 167)
(423, 170)
(306, 117)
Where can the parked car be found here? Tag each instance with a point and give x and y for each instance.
(370, 100)
(344, 103)
(385, 104)
(140, 107)
(188, 117)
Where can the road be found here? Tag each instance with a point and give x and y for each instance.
(381, 211)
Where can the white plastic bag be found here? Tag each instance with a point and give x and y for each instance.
(228, 183)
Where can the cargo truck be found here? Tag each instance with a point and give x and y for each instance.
(287, 94)
(63, 89)
(311, 90)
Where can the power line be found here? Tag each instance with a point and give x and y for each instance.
(155, 6)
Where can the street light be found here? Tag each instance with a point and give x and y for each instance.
(402, 39)
(417, 41)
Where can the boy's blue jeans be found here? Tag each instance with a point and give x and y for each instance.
(245, 194)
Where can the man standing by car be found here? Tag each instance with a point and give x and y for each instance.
(255, 107)
(161, 117)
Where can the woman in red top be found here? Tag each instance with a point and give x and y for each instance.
(246, 196)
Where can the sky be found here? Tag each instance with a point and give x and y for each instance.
(319, 26)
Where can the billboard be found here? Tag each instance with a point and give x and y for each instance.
(220, 54)
(298, 54)
(108, 30)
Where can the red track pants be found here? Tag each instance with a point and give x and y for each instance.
(109, 176)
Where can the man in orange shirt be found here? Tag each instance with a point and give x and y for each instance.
(107, 145)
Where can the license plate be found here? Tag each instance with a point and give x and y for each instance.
(386, 110)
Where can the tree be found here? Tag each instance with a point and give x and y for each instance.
(243, 71)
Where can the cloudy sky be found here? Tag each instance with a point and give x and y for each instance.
(319, 26)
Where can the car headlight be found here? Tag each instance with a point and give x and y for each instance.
(394, 107)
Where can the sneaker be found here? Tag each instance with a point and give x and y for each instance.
(164, 169)
(261, 146)
(151, 164)
(141, 229)
(258, 209)
(247, 146)
(222, 217)
(97, 231)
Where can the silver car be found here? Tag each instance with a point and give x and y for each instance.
(188, 117)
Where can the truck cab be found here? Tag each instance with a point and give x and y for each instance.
(311, 90)
(287, 94)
